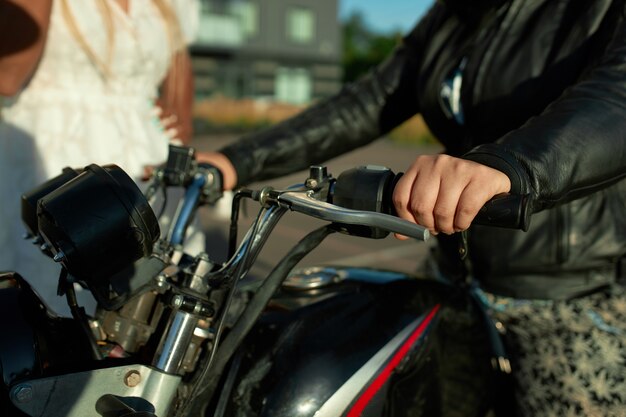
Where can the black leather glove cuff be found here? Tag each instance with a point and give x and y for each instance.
(492, 155)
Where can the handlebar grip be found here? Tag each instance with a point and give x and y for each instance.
(371, 188)
(505, 210)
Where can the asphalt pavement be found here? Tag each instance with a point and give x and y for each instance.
(337, 249)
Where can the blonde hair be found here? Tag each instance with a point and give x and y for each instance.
(102, 63)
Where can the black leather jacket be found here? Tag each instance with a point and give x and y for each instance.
(544, 100)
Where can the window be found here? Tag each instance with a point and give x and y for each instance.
(293, 85)
(248, 14)
(300, 25)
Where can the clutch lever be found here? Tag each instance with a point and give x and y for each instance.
(304, 202)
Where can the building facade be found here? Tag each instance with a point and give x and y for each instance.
(282, 50)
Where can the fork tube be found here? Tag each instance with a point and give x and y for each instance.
(174, 347)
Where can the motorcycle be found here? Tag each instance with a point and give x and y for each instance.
(179, 335)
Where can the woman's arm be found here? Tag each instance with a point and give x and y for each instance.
(23, 29)
(577, 145)
(176, 99)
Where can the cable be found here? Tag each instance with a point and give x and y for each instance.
(78, 313)
(205, 386)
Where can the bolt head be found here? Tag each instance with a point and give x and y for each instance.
(177, 301)
(311, 183)
(132, 378)
(23, 393)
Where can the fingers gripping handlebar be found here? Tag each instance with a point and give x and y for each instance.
(371, 188)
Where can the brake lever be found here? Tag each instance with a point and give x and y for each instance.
(304, 202)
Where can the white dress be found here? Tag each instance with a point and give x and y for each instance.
(70, 115)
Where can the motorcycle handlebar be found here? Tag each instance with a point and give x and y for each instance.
(505, 210)
(359, 199)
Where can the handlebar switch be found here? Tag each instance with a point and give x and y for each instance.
(367, 188)
(319, 181)
(317, 175)
(179, 167)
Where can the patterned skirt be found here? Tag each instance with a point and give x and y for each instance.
(568, 356)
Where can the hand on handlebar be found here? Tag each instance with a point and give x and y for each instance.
(221, 162)
(444, 193)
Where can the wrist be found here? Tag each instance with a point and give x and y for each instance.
(493, 156)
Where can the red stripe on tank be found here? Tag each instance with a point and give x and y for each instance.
(385, 374)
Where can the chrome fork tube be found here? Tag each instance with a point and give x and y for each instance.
(174, 347)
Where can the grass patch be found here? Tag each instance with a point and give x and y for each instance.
(225, 115)
(413, 132)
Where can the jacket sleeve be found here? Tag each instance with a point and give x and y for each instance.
(577, 145)
(358, 114)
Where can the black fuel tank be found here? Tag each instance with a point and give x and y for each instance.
(371, 343)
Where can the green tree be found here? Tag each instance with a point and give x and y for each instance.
(363, 48)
